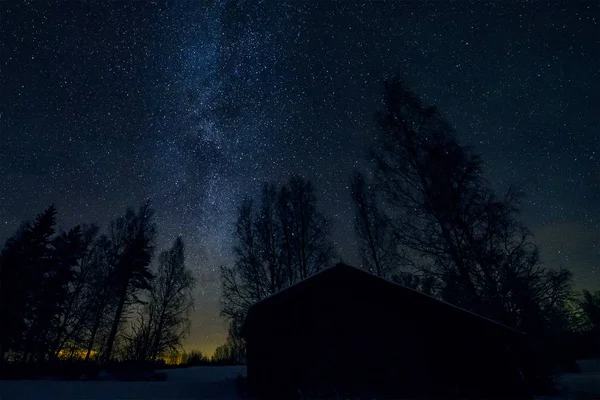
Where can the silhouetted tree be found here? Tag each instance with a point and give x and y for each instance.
(377, 246)
(452, 227)
(101, 298)
(422, 283)
(222, 355)
(589, 319)
(172, 295)
(305, 229)
(285, 240)
(269, 251)
(171, 301)
(37, 268)
(451, 224)
(195, 358)
(242, 284)
(45, 288)
(132, 240)
(136, 344)
(72, 319)
(589, 306)
(66, 294)
(16, 279)
(235, 342)
(21, 257)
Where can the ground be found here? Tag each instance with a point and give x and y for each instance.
(583, 385)
(204, 383)
(197, 383)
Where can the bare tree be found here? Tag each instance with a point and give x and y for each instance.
(136, 344)
(244, 284)
(171, 301)
(268, 232)
(223, 355)
(132, 238)
(285, 240)
(589, 310)
(589, 319)
(235, 342)
(101, 298)
(377, 246)
(451, 223)
(306, 230)
(163, 320)
(73, 317)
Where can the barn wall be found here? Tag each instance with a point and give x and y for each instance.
(338, 340)
(346, 334)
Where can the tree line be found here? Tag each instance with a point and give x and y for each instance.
(223, 355)
(425, 217)
(82, 294)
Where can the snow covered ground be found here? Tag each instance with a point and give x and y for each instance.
(198, 383)
(586, 383)
(580, 386)
(204, 383)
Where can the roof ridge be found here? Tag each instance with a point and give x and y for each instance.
(361, 270)
(301, 281)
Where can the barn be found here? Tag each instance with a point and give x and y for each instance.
(346, 330)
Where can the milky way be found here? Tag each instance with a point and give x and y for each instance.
(195, 104)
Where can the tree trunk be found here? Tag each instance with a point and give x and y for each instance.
(115, 325)
(93, 336)
(158, 335)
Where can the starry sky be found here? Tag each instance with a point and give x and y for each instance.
(194, 104)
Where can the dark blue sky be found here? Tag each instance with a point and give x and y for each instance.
(194, 104)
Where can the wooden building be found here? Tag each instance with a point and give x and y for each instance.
(347, 330)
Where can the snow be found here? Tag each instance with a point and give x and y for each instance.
(582, 383)
(579, 386)
(204, 383)
(589, 366)
(197, 383)
(585, 384)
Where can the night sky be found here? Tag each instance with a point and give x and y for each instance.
(195, 104)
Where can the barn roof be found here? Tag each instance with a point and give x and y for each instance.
(345, 268)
